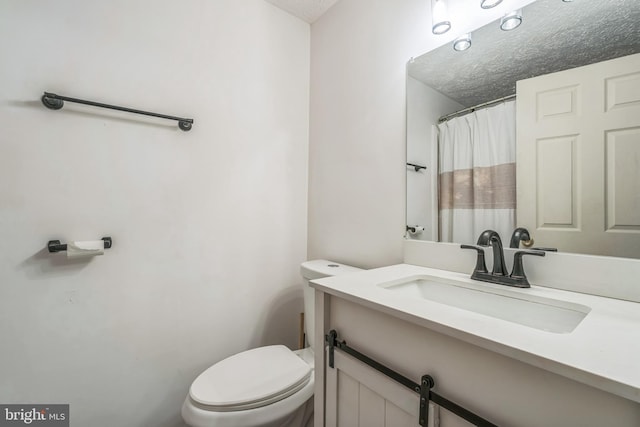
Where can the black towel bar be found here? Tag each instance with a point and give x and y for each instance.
(56, 102)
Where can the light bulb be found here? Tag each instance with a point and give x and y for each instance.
(488, 4)
(462, 43)
(511, 20)
(439, 17)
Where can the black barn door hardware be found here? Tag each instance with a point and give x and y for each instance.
(424, 389)
(56, 102)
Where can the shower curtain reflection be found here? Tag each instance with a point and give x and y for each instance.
(477, 170)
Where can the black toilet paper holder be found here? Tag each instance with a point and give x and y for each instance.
(55, 245)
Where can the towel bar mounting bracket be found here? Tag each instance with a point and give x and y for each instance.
(52, 103)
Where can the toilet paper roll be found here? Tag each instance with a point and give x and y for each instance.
(85, 249)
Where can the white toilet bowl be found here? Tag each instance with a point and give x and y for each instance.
(268, 386)
(263, 387)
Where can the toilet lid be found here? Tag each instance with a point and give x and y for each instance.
(251, 378)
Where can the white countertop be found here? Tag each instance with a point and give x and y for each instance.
(603, 351)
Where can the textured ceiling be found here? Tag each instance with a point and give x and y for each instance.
(307, 10)
(554, 36)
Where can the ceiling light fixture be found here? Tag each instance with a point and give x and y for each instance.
(488, 4)
(439, 17)
(462, 43)
(511, 20)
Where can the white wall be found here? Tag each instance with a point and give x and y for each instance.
(424, 107)
(359, 50)
(209, 226)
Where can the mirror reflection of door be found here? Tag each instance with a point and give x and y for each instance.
(578, 176)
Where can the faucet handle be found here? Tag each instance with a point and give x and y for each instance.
(481, 266)
(518, 267)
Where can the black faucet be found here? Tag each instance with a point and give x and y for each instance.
(498, 274)
(485, 237)
(491, 237)
(519, 234)
(499, 268)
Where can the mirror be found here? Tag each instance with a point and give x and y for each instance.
(554, 36)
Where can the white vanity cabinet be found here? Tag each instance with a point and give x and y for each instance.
(358, 395)
(497, 386)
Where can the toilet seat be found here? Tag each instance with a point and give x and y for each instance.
(251, 379)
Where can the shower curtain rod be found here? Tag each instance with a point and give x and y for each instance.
(476, 107)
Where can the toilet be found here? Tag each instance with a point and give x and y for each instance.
(268, 386)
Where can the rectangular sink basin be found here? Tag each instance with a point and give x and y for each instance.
(541, 313)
